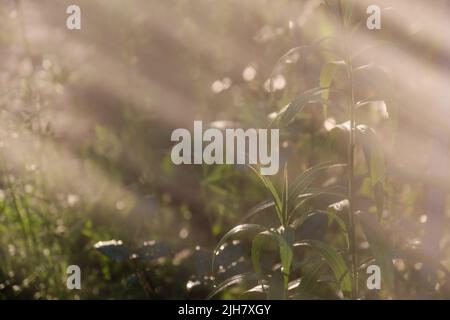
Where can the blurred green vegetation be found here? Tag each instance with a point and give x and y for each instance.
(86, 118)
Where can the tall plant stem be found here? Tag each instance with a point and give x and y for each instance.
(351, 153)
(351, 176)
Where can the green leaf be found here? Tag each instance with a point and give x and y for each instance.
(374, 154)
(379, 246)
(273, 192)
(303, 50)
(305, 179)
(114, 249)
(299, 187)
(381, 83)
(310, 276)
(334, 260)
(332, 216)
(285, 196)
(238, 229)
(259, 242)
(341, 206)
(310, 193)
(285, 241)
(239, 278)
(258, 292)
(288, 113)
(327, 74)
(336, 191)
(286, 255)
(258, 208)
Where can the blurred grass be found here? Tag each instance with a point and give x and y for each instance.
(86, 118)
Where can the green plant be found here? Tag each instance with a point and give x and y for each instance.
(340, 59)
(292, 211)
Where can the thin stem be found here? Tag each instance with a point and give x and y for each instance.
(351, 176)
(351, 154)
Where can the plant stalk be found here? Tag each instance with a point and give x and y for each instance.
(351, 176)
(351, 154)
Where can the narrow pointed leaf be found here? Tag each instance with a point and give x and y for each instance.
(288, 113)
(237, 279)
(273, 192)
(379, 246)
(333, 259)
(374, 155)
(261, 241)
(258, 208)
(238, 229)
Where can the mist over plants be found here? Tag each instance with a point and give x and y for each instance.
(358, 207)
